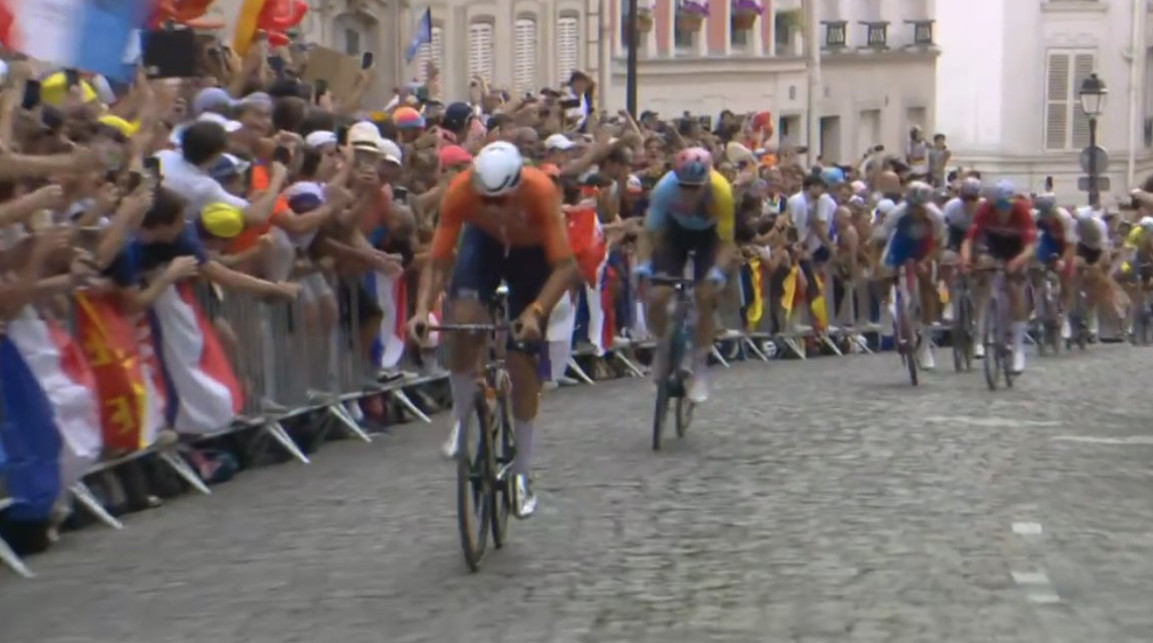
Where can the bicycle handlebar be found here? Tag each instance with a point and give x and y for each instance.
(666, 280)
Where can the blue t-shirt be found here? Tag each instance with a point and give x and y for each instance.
(137, 258)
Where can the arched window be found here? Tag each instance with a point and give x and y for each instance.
(524, 55)
(480, 52)
(431, 52)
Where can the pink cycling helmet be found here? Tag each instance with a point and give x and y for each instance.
(692, 166)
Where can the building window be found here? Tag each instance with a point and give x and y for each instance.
(524, 55)
(739, 38)
(1066, 126)
(352, 42)
(480, 52)
(684, 41)
(431, 53)
(567, 46)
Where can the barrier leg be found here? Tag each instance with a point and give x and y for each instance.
(345, 418)
(632, 367)
(575, 367)
(177, 463)
(752, 346)
(9, 557)
(716, 352)
(828, 341)
(275, 430)
(84, 496)
(400, 396)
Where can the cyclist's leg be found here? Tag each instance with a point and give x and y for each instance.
(670, 253)
(704, 243)
(985, 260)
(525, 270)
(474, 280)
(947, 268)
(1018, 313)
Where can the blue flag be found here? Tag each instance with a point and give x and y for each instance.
(423, 36)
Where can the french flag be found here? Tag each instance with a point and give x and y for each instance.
(100, 36)
(51, 422)
(391, 294)
(202, 391)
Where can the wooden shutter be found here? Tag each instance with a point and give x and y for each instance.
(1083, 66)
(524, 56)
(567, 46)
(480, 52)
(1057, 95)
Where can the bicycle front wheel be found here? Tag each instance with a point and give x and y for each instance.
(503, 440)
(991, 338)
(474, 492)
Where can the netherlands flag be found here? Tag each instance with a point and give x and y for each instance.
(51, 421)
(100, 36)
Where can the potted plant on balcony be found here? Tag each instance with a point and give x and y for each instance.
(745, 13)
(690, 15)
(644, 17)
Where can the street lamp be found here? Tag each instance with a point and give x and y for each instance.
(1093, 96)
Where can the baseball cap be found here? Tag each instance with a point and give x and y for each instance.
(228, 124)
(390, 151)
(320, 138)
(222, 220)
(364, 137)
(456, 116)
(119, 124)
(209, 99)
(304, 196)
(558, 142)
(453, 155)
(407, 118)
(227, 166)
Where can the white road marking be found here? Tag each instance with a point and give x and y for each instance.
(1027, 528)
(1134, 440)
(988, 422)
(1031, 578)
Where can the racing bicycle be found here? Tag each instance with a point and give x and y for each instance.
(675, 346)
(997, 334)
(908, 318)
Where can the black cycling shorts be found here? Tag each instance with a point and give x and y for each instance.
(675, 244)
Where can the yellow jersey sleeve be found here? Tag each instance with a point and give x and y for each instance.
(1134, 238)
(724, 210)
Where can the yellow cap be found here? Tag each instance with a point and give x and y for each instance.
(53, 90)
(222, 220)
(119, 124)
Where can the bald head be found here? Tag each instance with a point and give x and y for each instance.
(888, 182)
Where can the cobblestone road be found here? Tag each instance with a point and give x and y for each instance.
(825, 501)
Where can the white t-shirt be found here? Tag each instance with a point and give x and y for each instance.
(804, 215)
(193, 184)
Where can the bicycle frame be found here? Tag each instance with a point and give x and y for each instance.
(908, 317)
(677, 343)
(995, 335)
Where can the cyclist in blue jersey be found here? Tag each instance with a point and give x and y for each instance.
(690, 210)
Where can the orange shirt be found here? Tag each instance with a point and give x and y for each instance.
(249, 236)
(531, 217)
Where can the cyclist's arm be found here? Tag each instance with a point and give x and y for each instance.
(554, 238)
(441, 253)
(1024, 220)
(940, 232)
(656, 220)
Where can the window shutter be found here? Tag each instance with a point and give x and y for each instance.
(480, 51)
(431, 52)
(567, 47)
(1083, 65)
(1057, 94)
(524, 56)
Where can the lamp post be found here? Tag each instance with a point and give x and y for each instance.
(1093, 96)
(631, 61)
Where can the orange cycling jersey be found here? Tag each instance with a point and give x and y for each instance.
(530, 216)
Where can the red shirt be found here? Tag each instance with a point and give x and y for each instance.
(1016, 225)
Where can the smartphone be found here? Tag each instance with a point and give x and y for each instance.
(319, 88)
(282, 155)
(31, 94)
(71, 77)
(1048, 184)
(366, 60)
(152, 166)
(134, 180)
(276, 63)
(342, 135)
(400, 195)
(570, 103)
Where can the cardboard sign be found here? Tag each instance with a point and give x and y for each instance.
(338, 70)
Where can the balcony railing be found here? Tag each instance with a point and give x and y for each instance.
(922, 32)
(835, 34)
(876, 35)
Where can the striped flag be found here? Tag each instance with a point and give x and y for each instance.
(101, 37)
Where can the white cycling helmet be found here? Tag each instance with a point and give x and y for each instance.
(496, 169)
(919, 193)
(1146, 224)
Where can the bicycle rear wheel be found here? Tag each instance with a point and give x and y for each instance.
(669, 384)
(503, 439)
(474, 494)
(961, 339)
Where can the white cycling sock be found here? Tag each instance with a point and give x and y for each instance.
(523, 437)
(1018, 335)
(463, 388)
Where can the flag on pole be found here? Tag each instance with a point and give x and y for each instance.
(423, 36)
(101, 37)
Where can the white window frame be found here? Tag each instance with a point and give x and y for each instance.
(524, 66)
(564, 68)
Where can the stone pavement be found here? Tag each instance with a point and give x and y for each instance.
(811, 502)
